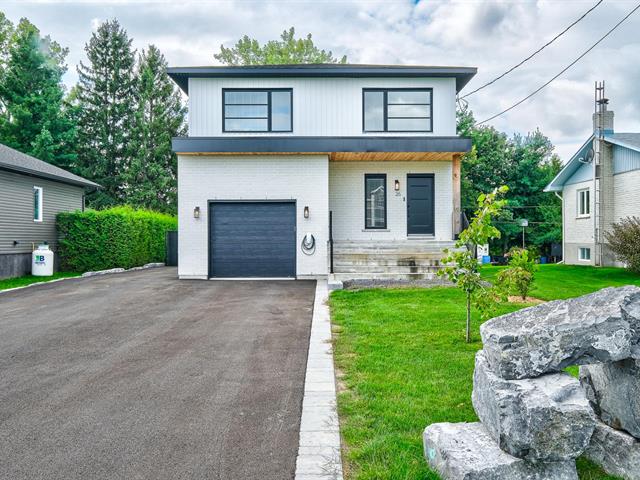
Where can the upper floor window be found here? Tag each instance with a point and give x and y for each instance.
(257, 110)
(397, 110)
(37, 204)
(583, 203)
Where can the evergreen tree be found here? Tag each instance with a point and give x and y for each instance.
(151, 179)
(106, 101)
(286, 51)
(34, 118)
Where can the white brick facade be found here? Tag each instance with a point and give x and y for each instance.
(304, 179)
(346, 199)
(578, 231)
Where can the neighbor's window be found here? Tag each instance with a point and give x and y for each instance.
(583, 203)
(397, 110)
(257, 110)
(375, 201)
(37, 204)
(585, 253)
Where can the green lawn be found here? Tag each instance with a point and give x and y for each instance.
(565, 281)
(29, 279)
(404, 364)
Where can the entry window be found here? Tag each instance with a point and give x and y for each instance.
(375, 201)
(583, 203)
(268, 110)
(397, 110)
(37, 204)
(585, 254)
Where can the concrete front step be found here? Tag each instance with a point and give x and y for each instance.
(369, 269)
(343, 276)
(386, 260)
(399, 248)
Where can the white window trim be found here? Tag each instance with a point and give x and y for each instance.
(580, 259)
(40, 204)
(579, 196)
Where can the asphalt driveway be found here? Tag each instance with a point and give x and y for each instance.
(141, 376)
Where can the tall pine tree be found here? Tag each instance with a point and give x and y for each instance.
(34, 117)
(151, 179)
(106, 101)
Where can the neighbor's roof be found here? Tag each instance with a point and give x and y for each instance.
(627, 140)
(16, 161)
(462, 75)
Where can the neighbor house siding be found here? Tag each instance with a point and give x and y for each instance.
(201, 179)
(346, 200)
(16, 210)
(627, 194)
(578, 231)
(321, 106)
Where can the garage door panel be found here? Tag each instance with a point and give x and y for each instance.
(252, 239)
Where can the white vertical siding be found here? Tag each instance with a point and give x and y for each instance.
(346, 199)
(321, 106)
(625, 159)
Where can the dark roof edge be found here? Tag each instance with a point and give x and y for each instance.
(181, 75)
(49, 176)
(295, 144)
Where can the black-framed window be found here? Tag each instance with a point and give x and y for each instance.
(257, 110)
(375, 201)
(397, 109)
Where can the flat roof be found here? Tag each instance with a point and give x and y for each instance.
(306, 145)
(181, 75)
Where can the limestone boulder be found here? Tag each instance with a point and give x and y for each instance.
(616, 452)
(465, 451)
(614, 392)
(547, 418)
(601, 327)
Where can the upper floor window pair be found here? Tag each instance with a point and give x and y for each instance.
(383, 110)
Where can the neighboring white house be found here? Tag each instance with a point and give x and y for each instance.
(297, 170)
(599, 185)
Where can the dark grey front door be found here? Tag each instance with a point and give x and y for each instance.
(420, 206)
(252, 239)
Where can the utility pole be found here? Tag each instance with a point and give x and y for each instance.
(523, 223)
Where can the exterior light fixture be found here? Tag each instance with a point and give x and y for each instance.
(196, 212)
(396, 186)
(306, 212)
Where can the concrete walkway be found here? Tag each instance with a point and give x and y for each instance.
(319, 453)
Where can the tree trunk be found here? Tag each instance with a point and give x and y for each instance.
(468, 333)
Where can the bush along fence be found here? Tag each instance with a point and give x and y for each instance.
(535, 419)
(117, 237)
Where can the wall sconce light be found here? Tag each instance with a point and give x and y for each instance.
(396, 185)
(196, 212)
(306, 212)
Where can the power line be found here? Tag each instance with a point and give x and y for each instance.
(564, 69)
(536, 52)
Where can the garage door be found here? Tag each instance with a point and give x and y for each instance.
(252, 239)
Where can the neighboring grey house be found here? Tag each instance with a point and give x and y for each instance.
(284, 162)
(599, 185)
(32, 192)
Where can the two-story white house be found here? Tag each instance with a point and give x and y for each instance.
(298, 171)
(599, 185)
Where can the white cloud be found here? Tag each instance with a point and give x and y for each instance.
(492, 35)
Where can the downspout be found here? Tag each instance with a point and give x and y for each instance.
(563, 237)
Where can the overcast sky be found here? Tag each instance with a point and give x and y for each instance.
(490, 35)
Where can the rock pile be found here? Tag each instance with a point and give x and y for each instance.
(535, 420)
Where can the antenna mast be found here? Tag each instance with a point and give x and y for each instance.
(600, 108)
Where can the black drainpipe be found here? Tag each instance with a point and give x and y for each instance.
(331, 241)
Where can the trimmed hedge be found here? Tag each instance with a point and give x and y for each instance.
(116, 237)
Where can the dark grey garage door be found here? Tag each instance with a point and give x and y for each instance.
(252, 239)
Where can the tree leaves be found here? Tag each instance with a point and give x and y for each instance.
(286, 51)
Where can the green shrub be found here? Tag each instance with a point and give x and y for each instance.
(117, 237)
(624, 242)
(517, 278)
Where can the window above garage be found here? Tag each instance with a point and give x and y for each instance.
(257, 110)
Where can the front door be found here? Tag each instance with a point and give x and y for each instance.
(420, 206)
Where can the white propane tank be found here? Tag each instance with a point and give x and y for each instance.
(42, 261)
